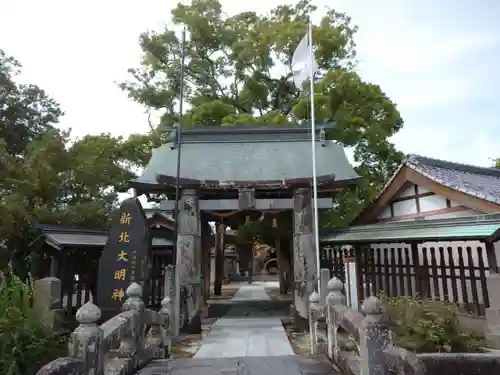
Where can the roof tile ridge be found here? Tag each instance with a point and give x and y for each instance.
(460, 188)
(416, 159)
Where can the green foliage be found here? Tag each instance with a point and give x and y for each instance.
(239, 72)
(248, 232)
(47, 177)
(426, 326)
(263, 230)
(56, 181)
(26, 112)
(26, 344)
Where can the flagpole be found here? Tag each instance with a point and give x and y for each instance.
(313, 148)
(177, 285)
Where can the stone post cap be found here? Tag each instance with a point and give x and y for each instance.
(47, 279)
(372, 306)
(335, 285)
(88, 313)
(166, 301)
(314, 297)
(134, 290)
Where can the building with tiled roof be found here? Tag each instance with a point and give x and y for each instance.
(426, 188)
(433, 231)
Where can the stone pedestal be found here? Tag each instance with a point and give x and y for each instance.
(188, 262)
(304, 259)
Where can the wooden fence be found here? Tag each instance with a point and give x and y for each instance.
(79, 281)
(447, 271)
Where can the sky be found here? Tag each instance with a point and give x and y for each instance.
(436, 59)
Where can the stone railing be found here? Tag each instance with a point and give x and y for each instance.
(361, 342)
(120, 345)
(365, 345)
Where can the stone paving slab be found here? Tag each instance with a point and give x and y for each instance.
(284, 365)
(249, 344)
(245, 336)
(251, 292)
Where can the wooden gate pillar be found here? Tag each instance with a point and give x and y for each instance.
(206, 245)
(304, 259)
(188, 262)
(220, 231)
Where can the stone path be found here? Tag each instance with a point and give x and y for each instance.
(285, 365)
(244, 342)
(246, 336)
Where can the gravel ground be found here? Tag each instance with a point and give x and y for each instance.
(298, 340)
(188, 345)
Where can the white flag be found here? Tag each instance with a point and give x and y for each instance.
(301, 62)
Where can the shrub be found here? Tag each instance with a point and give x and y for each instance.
(26, 343)
(425, 326)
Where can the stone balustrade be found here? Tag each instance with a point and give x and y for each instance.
(365, 345)
(360, 342)
(120, 345)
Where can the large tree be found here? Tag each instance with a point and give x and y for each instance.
(239, 72)
(48, 177)
(26, 111)
(56, 181)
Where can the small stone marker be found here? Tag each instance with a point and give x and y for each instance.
(125, 258)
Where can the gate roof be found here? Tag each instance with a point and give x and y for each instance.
(247, 156)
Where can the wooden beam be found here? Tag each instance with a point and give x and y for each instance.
(261, 204)
(412, 197)
(417, 198)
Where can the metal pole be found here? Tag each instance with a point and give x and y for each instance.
(313, 148)
(177, 304)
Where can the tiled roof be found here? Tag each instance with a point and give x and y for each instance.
(480, 182)
(61, 237)
(256, 154)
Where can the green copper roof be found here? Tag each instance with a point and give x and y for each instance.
(256, 155)
(483, 227)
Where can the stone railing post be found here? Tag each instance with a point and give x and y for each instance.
(160, 329)
(334, 297)
(314, 314)
(169, 291)
(167, 310)
(375, 337)
(86, 341)
(133, 339)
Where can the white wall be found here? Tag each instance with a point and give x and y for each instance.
(430, 206)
